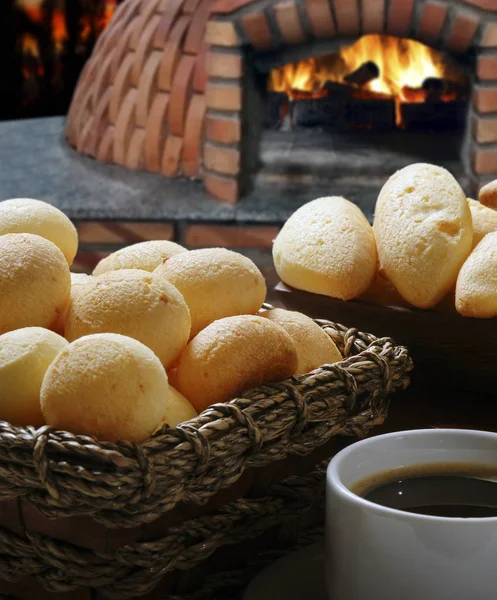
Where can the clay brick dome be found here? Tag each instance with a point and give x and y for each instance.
(169, 87)
(140, 99)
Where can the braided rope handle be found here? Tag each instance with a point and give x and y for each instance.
(124, 484)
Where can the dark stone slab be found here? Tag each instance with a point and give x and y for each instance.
(35, 161)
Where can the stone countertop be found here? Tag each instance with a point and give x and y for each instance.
(36, 162)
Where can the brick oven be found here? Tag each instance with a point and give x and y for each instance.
(179, 87)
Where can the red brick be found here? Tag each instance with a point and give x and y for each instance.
(432, 21)
(249, 236)
(462, 32)
(487, 67)
(82, 142)
(125, 126)
(287, 17)
(485, 99)
(143, 49)
(257, 30)
(148, 9)
(200, 73)
(485, 4)
(224, 96)
(172, 155)
(373, 16)
(134, 156)
(120, 87)
(223, 129)
(219, 33)
(121, 48)
(222, 188)
(123, 232)
(224, 65)
(229, 6)
(172, 53)
(190, 6)
(100, 122)
(485, 161)
(347, 17)
(485, 129)
(167, 21)
(221, 160)
(193, 138)
(400, 17)
(489, 39)
(180, 94)
(105, 150)
(148, 87)
(320, 18)
(156, 132)
(196, 31)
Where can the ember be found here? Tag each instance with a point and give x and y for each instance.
(375, 67)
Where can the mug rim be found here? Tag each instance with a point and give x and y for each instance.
(333, 478)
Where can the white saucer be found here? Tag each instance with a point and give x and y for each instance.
(297, 576)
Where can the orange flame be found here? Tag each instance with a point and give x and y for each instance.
(403, 64)
(59, 29)
(30, 47)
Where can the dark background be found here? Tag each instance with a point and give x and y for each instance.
(43, 47)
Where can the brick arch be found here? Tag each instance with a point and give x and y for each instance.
(166, 88)
(140, 101)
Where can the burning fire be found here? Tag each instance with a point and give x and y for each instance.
(403, 66)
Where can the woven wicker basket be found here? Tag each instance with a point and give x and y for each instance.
(120, 518)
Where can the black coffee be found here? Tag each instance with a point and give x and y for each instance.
(442, 490)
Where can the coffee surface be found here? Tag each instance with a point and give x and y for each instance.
(444, 490)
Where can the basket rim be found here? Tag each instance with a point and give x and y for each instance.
(124, 484)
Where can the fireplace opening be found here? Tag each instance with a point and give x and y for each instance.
(379, 83)
(354, 114)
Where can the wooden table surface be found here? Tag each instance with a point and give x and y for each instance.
(420, 407)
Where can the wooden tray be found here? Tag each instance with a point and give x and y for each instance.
(448, 350)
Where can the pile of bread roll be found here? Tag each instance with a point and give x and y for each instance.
(429, 246)
(154, 336)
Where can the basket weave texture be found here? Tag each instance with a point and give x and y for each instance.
(124, 484)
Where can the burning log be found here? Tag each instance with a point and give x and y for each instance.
(436, 115)
(345, 113)
(363, 75)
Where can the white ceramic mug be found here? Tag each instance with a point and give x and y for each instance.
(379, 553)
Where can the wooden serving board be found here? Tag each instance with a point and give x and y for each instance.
(448, 350)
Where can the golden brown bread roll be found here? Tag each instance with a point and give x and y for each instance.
(484, 220)
(488, 194)
(382, 291)
(476, 289)
(25, 355)
(78, 280)
(215, 283)
(231, 356)
(106, 385)
(327, 247)
(178, 409)
(423, 232)
(144, 255)
(25, 215)
(34, 282)
(133, 303)
(314, 346)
